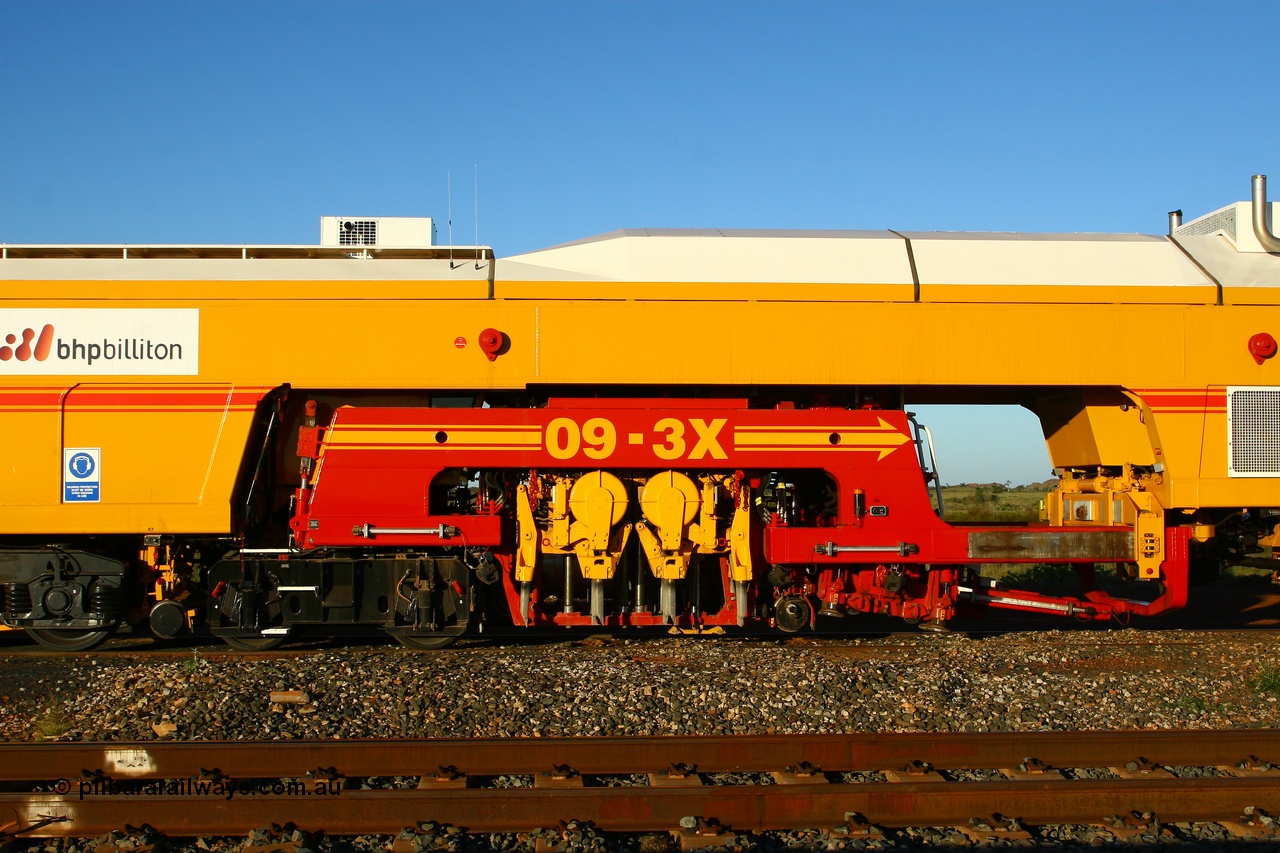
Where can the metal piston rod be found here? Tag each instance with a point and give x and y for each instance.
(368, 531)
(902, 549)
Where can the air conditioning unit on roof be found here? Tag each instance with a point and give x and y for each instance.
(383, 232)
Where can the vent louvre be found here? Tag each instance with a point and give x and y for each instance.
(358, 232)
(1223, 220)
(1253, 432)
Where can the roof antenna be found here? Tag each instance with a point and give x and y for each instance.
(477, 206)
(449, 192)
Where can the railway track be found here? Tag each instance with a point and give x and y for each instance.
(886, 641)
(800, 781)
(1224, 608)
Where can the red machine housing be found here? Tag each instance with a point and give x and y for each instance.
(879, 546)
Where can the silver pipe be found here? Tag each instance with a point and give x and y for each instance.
(641, 568)
(270, 550)
(933, 460)
(1269, 241)
(568, 586)
(1175, 221)
(368, 531)
(902, 549)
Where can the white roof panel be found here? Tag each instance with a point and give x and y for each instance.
(1232, 268)
(719, 255)
(1131, 260)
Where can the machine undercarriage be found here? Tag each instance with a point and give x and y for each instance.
(691, 516)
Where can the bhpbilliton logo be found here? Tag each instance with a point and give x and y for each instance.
(26, 351)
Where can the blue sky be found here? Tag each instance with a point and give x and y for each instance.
(244, 122)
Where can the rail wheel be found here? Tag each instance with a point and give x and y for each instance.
(792, 613)
(427, 642)
(67, 640)
(253, 644)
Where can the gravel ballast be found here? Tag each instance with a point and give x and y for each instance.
(1051, 680)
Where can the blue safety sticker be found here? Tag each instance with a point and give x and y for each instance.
(82, 475)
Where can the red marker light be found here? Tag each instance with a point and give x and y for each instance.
(491, 342)
(1262, 347)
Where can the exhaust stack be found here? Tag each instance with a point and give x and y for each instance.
(1269, 241)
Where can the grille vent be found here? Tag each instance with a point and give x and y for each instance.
(358, 232)
(1253, 432)
(1223, 220)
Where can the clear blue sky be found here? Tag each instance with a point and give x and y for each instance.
(244, 122)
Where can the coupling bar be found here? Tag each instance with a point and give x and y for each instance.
(973, 595)
(902, 549)
(1069, 608)
(368, 531)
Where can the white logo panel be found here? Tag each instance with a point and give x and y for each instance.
(99, 341)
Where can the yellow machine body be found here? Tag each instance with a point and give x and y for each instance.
(1125, 346)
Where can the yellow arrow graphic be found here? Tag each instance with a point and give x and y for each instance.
(883, 438)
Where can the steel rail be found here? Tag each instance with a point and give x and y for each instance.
(637, 809)
(604, 755)
(197, 788)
